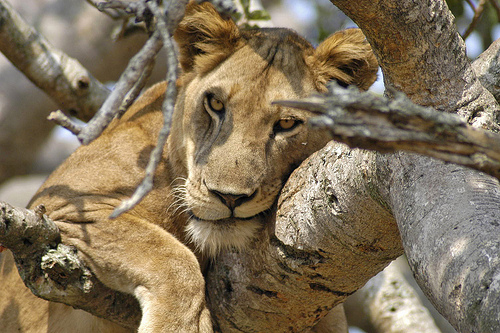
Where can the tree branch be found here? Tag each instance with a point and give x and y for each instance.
(393, 306)
(53, 271)
(369, 121)
(333, 232)
(446, 214)
(487, 69)
(419, 39)
(163, 29)
(63, 78)
(478, 12)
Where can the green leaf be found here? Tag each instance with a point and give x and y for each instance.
(259, 15)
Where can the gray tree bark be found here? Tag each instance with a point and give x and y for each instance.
(392, 305)
(448, 216)
(487, 69)
(333, 232)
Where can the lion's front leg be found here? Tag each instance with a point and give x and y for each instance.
(134, 256)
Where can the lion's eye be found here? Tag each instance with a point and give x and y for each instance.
(284, 125)
(213, 104)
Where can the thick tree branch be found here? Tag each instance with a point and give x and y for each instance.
(487, 69)
(366, 120)
(422, 54)
(54, 271)
(61, 77)
(333, 232)
(446, 215)
(392, 305)
(25, 231)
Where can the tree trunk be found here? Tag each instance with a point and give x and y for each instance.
(449, 220)
(448, 216)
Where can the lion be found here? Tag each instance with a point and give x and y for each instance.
(229, 152)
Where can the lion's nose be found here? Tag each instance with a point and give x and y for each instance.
(232, 200)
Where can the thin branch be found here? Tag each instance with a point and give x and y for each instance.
(478, 12)
(126, 82)
(167, 108)
(471, 4)
(370, 121)
(129, 84)
(165, 26)
(113, 13)
(136, 89)
(62, 120)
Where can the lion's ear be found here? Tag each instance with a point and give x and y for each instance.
(346, 57)
(205, 38)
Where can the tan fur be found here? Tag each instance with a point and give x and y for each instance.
(220, 173)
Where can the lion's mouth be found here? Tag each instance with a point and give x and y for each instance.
(229, 220)
(214, 236)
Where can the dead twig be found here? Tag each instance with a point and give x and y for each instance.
(62, 120)
(113, 13)
(111, 106)
(370, 121)
(125, 83)
(478, 12)
(167, 109)
(128, 85)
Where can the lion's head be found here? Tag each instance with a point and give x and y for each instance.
(233, 146)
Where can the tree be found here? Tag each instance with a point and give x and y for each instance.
(346, 213)
(101, 55)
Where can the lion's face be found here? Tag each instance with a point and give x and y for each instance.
(238, 148)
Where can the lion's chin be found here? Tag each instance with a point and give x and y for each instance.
(212, 237)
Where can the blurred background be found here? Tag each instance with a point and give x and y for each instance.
(31, 146)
